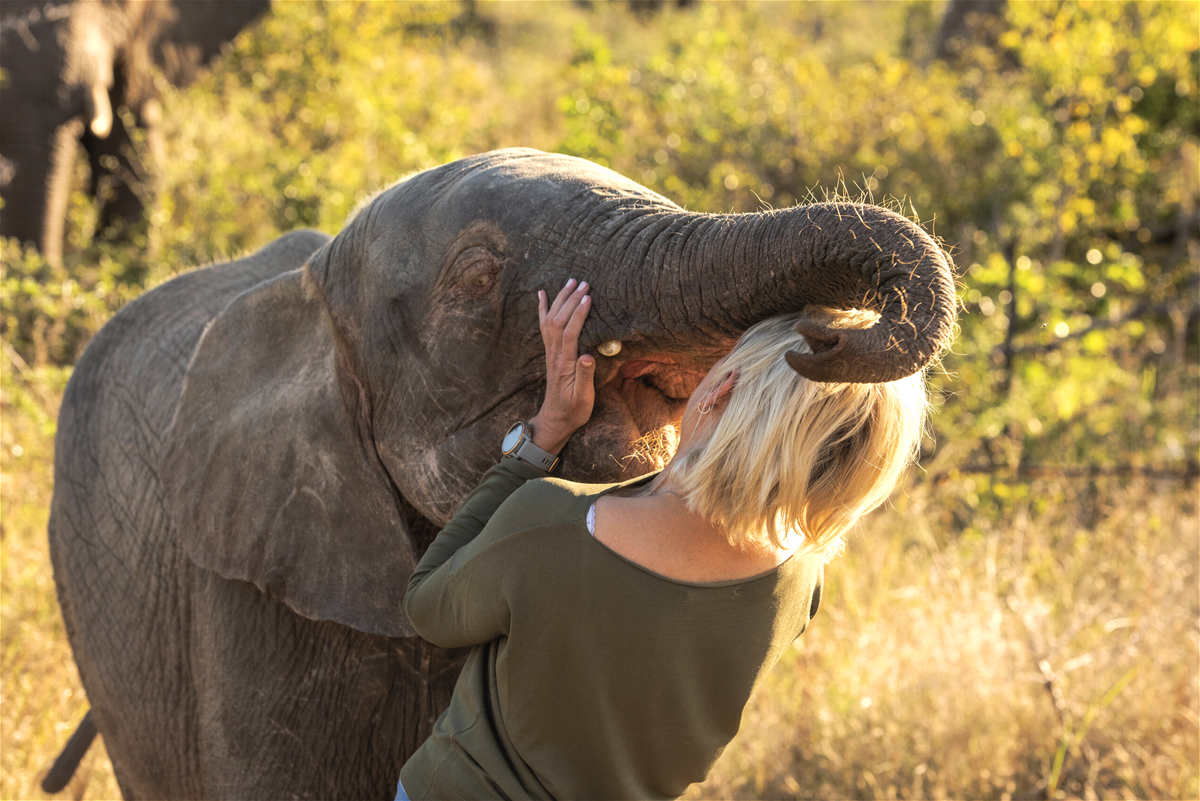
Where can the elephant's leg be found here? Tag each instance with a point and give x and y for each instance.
(42, 166)
(296, 708)
(25, 167)
(128, 634)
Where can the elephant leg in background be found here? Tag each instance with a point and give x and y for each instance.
(297, 708)
(36, 198)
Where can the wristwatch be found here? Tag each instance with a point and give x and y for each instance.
(518, 444)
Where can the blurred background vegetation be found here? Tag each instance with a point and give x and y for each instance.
(1024, 623)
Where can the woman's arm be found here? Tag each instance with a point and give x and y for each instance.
(439, 601)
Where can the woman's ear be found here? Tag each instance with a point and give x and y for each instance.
(725, 388)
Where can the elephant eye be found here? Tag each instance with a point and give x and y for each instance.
(477, 272)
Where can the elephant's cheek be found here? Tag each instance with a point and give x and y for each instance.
(419, 472)
(613, 447)
(434, 474)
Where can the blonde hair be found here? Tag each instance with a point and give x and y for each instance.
(792, 455)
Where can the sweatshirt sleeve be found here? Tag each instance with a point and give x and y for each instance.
(438, 601)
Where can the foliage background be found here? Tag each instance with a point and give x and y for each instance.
(1024, 622)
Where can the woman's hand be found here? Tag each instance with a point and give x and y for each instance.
(569, 391)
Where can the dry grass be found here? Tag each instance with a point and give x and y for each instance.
(1048, 650)
(919, 679)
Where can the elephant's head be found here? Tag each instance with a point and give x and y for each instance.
(59, 69)
(71, 66)
(329, 412)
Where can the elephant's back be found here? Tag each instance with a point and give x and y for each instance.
(134, 366)
(122, 575)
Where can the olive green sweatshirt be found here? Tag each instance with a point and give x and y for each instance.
(592, 677)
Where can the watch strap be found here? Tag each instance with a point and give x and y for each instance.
(529, 453)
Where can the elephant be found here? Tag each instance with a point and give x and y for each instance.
(72, 67)
(251, 458)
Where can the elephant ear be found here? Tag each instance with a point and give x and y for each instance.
(193, 33)
(268, 476)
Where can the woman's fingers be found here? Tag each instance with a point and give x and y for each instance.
(562, 322)
(563, 296)
(570, 393)
(574, 325)
(567, 302)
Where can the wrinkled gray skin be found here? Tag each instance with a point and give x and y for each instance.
(72, 65)
(238, 507)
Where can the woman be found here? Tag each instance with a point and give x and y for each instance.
(620, 629)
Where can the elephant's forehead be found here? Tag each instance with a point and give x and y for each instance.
(528, 174)
(526, 194)
(537, 167)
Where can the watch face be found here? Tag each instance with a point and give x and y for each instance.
(513, 438)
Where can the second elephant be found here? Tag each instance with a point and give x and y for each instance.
(72, 66)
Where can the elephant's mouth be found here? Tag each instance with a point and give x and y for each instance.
(655, 388)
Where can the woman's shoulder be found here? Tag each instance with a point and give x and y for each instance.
(551, 501)
(552, 489)
(544, 502)
(563, 490)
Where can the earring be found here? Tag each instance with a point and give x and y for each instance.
(700, 406)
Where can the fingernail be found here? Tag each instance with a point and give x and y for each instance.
(583, 284)
(586, 298)
(570, 281)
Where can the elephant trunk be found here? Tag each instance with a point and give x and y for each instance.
(722, 273)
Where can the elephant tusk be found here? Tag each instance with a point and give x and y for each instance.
(102, 115)
(610, 348)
